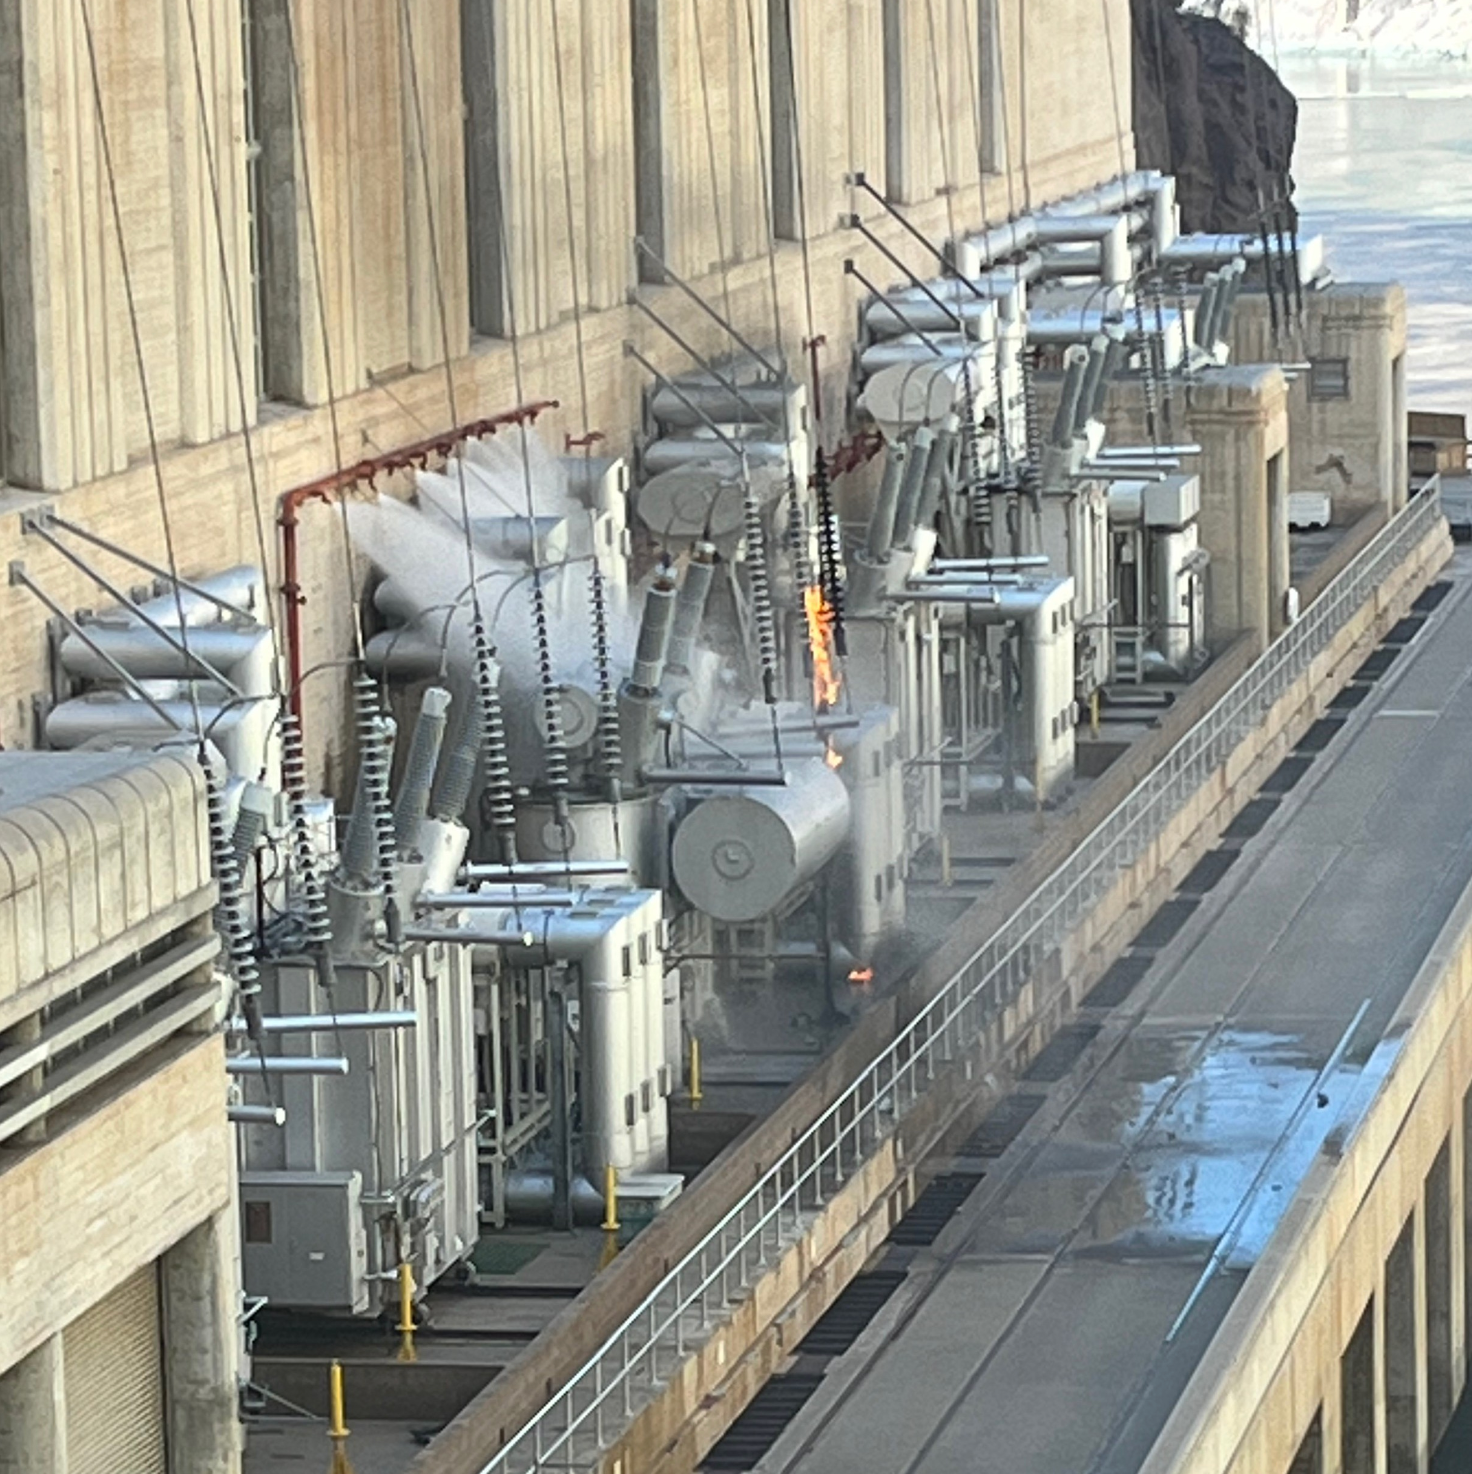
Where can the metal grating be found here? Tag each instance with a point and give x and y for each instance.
(1061, 1053)
(1003, 1126)
(1286, 775)
(1250, 821)
(760, 1426)
(1320, 735)
(1119, 982)
(1208, 872)
(844, 1321)
(1167, 921)
(1406, 630)
(933, 1209)
(1349, 697)
(1377, 663)
(1430, 597)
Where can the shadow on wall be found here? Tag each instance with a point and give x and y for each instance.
(1212, 112)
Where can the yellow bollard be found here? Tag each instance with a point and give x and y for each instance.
(337, 1428)
(696, 1095)
(406, 1313)
(610, 1199)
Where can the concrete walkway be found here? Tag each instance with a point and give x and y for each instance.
(1056, 1319)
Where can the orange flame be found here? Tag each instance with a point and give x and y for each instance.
(833, 758)
(826, 684)
(862, 976)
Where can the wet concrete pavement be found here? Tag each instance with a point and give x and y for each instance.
(1057, 1318)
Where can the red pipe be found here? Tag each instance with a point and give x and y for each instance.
(365, 472)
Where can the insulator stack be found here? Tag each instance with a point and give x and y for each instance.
(761, 593)
(555, 765)
(1004, 443)
(231, 920)
(610, 746)
(1032, 471)
(309, 874)
(499, 800)
(1157, 307)
(977, 491)
(1152, 394)
(375, 758)
(797, 536)
(830, 548)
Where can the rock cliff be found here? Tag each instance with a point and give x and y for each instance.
(1211, 111)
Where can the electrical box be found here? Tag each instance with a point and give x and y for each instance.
(1174, 502)
(302, 1239)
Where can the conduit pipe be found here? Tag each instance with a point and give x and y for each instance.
(366, 472)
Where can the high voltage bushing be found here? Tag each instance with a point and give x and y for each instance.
(654, 633)
(700, 573)
(419, 767)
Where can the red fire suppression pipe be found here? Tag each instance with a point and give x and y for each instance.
(364, 473)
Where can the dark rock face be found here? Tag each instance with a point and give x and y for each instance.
(1212, 112)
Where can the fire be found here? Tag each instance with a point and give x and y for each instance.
(826, 684)
(833, 758)
(861, 976)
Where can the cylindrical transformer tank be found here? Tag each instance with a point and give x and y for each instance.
(737, 855)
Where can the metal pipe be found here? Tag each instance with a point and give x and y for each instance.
(544, 869)
(286, 1064)
(640, 244)
(714, 778)
(18, 575)
(935, 471)
(256, 1115)
(1098, 363)
(162, 573)
(1016, 560)
(526, 895)
(1145, 452)
(327, 1023)
(191, 657)
(1114, 360)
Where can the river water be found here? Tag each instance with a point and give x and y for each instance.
(1384, 171)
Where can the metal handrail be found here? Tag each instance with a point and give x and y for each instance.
(568, 1431)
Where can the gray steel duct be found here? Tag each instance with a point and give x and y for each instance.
(702, 399)
(912, 488)
(886, 504)
(1206, 305)
(530, 1194)
(243, 655)
(419, 766)
(700, 572)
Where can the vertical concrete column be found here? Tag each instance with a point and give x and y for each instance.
(1360, 1410)
(1458, 1291)
(33, 1413)
(1436, 1199)
(436, 262)
(1401, 1363)
(201, 1298)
